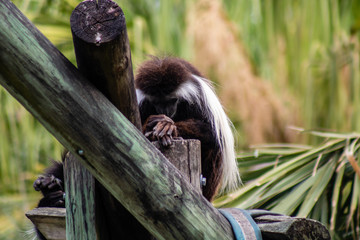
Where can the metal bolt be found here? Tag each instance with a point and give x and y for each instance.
(202, 181)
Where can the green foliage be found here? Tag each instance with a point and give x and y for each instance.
(25, 150)
(310, 49)
(25, 146)
(319, 182)
(154, 27)
(52, 18)
(13, 224)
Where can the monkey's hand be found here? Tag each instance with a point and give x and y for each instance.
(48, 184)
(161, 128)
(52, 189)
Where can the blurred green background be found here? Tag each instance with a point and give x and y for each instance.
(276, 64)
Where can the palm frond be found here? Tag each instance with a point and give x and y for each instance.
(320, 182)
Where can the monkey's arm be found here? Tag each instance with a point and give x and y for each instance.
(196, 129)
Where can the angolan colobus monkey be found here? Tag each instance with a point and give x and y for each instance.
(174, 100)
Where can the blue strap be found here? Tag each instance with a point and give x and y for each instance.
(238, 233)
(253, 224)
(246, 219)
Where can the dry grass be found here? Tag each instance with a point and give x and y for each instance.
(218, 52)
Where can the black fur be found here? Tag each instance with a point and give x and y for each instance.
(51, 185)
(160, 77)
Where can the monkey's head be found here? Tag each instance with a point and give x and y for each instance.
(164, 83)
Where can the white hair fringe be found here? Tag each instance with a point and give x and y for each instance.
(222, 125)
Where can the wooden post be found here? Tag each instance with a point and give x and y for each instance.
(103, 56)
(103, 53)
(79, 201)
(185, 155)
(276, 226)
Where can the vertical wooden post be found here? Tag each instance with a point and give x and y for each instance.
(103, 53)
(185, 155)
(79, 200)
(103, 56)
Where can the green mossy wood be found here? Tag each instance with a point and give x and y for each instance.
(103, 56)
(80, 201)
(113, 150)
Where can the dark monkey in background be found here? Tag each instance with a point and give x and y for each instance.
(175, 100)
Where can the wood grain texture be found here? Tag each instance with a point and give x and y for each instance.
(50, 221)
(114, 151)
(79, 201)
(185, 155)
(273, 227)
(280, 227)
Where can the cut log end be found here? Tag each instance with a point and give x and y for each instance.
(97, 22)
(284, 227)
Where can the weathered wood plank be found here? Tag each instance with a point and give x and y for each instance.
(79, 200)
(185, 155)
(281, 227)
(113, 150)
(273, 227)
(50, 221)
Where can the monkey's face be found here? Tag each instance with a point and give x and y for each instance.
(166, 106)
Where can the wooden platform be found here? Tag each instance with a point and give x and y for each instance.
(50, 221)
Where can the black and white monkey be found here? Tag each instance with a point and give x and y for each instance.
(174, 100)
